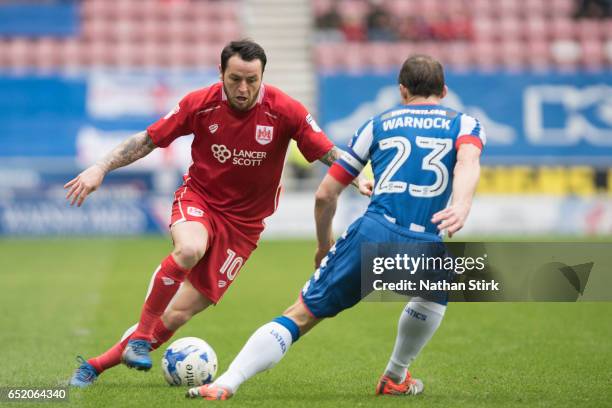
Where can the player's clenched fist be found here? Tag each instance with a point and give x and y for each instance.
(366, 187)
(84, 184)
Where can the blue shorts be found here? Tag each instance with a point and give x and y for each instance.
(337, 285)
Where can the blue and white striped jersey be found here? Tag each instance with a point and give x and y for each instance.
(413, 153)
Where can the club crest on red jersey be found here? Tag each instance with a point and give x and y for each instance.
(264, 134)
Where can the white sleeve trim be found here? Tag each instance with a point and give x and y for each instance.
(363, 141)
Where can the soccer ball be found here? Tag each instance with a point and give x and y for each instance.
(189, 361)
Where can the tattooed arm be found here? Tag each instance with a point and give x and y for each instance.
(331, 156)
(130, 150)
(360, 183)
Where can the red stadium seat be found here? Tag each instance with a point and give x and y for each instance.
(401, 7)
(486, 54)
(457, 6)
(70, 53)
(320, 7)
(229, 31)
(513, 54)
(151, 53)
(562, 28)
(589, 30)
(459, 56)
(607, 50)
(485, 29)
(324, 57)
(352, 58)
(607, 28)
(46, 53)
(125, 54)
(4, 51)
(96, 29)
(435, 49)
(535, 8)
(401, 51)
(126, 29)
(592, 56)
(432, 8)
(96, 9)
(99, 55)
(507, 9)
(538, 54)
(535, 29)
(357, 9)
(20, 53)
(561, 8)
(198, 54)
(510, 29)
(481, 8)
(378, 55)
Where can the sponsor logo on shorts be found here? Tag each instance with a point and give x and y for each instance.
(222, 283)
(240, 157)
(264, 134)
(213, 128)
(195, 212)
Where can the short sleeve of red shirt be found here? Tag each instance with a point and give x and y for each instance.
(175, 124)
(311, 140)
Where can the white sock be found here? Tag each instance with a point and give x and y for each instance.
(417, 324)
(263, 350)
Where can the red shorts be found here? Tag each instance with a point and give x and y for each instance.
(228, 245)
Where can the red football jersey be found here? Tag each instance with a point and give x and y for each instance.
(238, 157)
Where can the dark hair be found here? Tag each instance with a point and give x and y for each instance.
(247, 50)
(422, 75)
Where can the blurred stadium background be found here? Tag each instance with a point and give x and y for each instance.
(76, 77)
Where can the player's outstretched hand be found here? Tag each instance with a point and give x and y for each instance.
(85, 183)
(366, 187)
(451, 218)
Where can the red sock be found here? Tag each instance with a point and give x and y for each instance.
(112, 356)
(165, 283)
(160, 335)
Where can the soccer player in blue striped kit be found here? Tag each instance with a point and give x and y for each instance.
(421, 152)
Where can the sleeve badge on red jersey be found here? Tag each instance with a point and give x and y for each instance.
(264, 134)
(195, 212)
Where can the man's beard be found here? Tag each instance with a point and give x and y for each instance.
(238, 108)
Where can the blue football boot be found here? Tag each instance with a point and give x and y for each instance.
(85, 375)
(136, 355)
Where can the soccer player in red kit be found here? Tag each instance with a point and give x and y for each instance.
(242, 129)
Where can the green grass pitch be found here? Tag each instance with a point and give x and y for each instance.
(60, 298)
